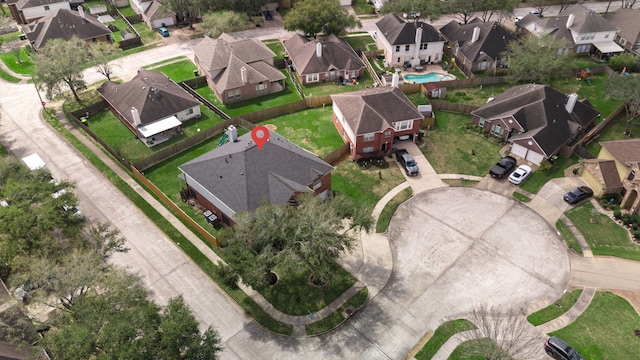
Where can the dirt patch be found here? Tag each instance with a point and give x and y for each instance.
(272, 127)
(632, 297)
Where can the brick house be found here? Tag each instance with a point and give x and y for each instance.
(239, 177)
(627, 21)
(371, 120)
(26, 11)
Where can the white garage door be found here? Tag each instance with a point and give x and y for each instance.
(534, 157)
(519, 150)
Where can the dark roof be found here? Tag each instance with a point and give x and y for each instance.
(625, 151)
(605, 171)
(376, 109)
(156, 11)
(627, 21)
(336, 54)
(541, 112)
(400, 32)
(242, 176)
(586, 20)
(153, 94)
(64, 24)
(492, 39)
(24, 4)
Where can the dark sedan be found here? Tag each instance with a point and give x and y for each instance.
(578, 194)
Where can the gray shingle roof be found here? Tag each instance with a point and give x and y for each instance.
(540, 110)
(24, 4)
(243, 177)
(492, 40)
(376, 109)
(64, 24)
(587, 21)
(628, 21)
(625, 151)
(153, 94)
(336, 55)
(400, 32)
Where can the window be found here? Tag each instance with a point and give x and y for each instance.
(606, 36)
(406, 47)
(632, 174)
(369, 137)
(261, 86)
(317, 183)
(437, 57)
(313, 78)
(189, 111)
(423, 46)
(398, 61)
(233, 94)
(387, 134)
(46, 8)
(368, 149)
(481, 122)
(623, 41)
(497, 130)
(398, 48)
(403, 125)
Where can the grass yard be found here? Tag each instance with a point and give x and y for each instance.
(146, 34)
(6, 38)
(329, 88)
(289, 94)
(8, 77)
(594, 93)
(276, 46)
(614, 131)
(311, 129)
(450, 145)
(441, 335)
(536, 181)
(604, 236)
(363, 42)
(553, 311)
(390, 209)
(568, 237)
(605, 329)
(362, 7)
(120, 25)
(460, 353)
(178, 71)
(25, 67)
(337, 317)
(127, 11)
(475, 95)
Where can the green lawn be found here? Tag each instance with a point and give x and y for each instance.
(127, 11)
(460, 353)
(311, 129)
(364, 42)
(553, 311)
(146, 34)
(8, 77)
(329, 88)
(337, 317)
(441, 335)
(605, 330)
(390, 209)
(604, 236)
(450, 145)
(614, 131)
(120, 25)
(362, 7)
(568, 237)
(475, 95)
(276, 46)
(24, 67)
(178, 71)
(540, 177)
(289, 94)
(594, 93)
(6, 38)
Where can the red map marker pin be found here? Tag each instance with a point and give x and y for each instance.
(260, 135)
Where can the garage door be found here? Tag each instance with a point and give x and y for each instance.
(519, 150)
(534, 157)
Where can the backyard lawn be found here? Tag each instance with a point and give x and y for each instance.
(363, 42)
(276, 46)
(25, 67)
(605, 330)
(178, 71)
(604, 236)
(614, 131)
(450, 146)
(329, 88)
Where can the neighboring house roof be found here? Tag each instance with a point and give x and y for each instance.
(625, 151)
(492, 38)
(400, 32)
(24, 4)
(155, 11)
(586, 20)
(540, 111)
(243, 176)
(555, 26)
(226, 59)
(605, 171)
(64, 24)
(627, 21)
(335, 54)
(153, 94)
(376, 109)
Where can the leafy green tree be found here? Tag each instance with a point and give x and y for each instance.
(187, 9)
(309, 236)
(622, 61)
(462, 9)
(100, 54)
(216, 23)
(320, 16)
(428, 9)
(492, 8)
(536, 59)
(627, 90)
(58, 66)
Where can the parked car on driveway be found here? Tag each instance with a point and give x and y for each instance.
(268, 15)
(163, 31)
(407, 161)
(520, 175)
(503, 167)
(560, 350)
(578, 194)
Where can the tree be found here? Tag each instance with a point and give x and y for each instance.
(186, 9)
(627, 90)
(58, 66)
(501, 8)
(462, 9)
(216, 23)
(623, 61)
(100, 54)
(309, 236)
(536, 59)
(428, 9)
(320, 16)
(16, 48)
(501, 335)
(540, 5)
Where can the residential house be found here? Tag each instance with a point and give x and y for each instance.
(238, 70)
(478, 46)
(536, 119)
(628, 21)
(151, 105)
(326, 59)
(601, 175)
(153, 14)
(239, 176)
(412, 43)
(584, 30)
(66, 24)
(26, 11)
(371, 119)
(625, 156)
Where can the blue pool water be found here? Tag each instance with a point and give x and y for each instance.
(430, 77)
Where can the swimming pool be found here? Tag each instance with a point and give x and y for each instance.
(430, 77)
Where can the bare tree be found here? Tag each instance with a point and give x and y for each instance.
(15, 47)
(501, 334)
(628, 4)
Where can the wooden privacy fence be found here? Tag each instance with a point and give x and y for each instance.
(336, 155)
(452, 107)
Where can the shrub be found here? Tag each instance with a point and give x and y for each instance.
(627, 221)
(636, 234)
(228, 276)
(617, 214)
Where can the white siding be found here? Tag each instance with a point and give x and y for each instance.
(39, 11)
(168, 21)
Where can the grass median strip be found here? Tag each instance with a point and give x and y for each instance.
(569, 238)
(390, 209)
(441, 335)
(338, 316)
(555, 310)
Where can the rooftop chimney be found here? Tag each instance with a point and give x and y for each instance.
(570, 19)
(476, 34)
(81, 12)
(232, 133)
(571, 102)
(243, 74)
(136, 117)
(319, 49)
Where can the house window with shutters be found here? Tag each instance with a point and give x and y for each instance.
(497, 130)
